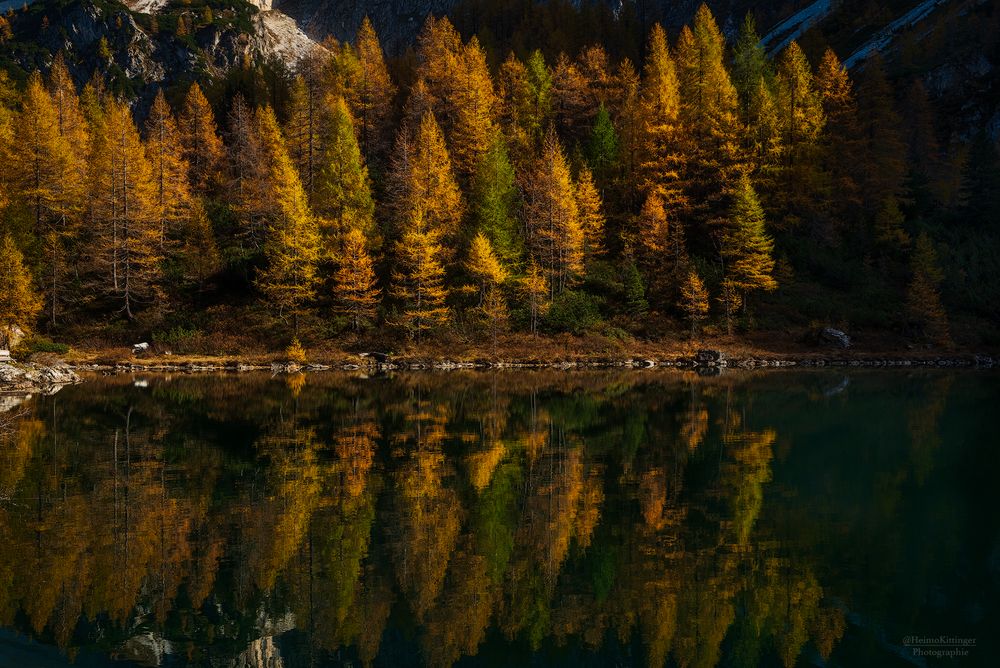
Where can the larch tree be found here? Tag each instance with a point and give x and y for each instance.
(172, 193)
(924, 295)
(423, 188)
(343, 198)
(840, 143)
(356, 290)
(461, 91)
(535, 290)
(50, 174)
(881, 166)
(661, 155)
(652, 231)
(123, 205)
(19, 303)
(375, 95)
(302, 130)
(747, 250)
(753, 78)
(800, 117)
(693, 300)
(494, 202)
(247, 177)
(572, 100)
(553, 221)
(418, 281)
(590, 210)
(292, 249)
(203, 147)
(484, 266)
(709, 111)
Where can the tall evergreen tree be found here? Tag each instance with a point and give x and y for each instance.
(495, 198)
(342, 197)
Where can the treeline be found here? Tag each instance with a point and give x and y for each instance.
(573, 195)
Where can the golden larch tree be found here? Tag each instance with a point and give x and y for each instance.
(19, 303)
(693, 300)
(50, 175)
(418, 282)
(124, 210)
(356, 290)
(662, 159)
(423, 189)
(923, 298)
(172, 193)
(591, 211)
(484, 266)
(292, 248)
(203, 147)
(375, 94)
(553, 220)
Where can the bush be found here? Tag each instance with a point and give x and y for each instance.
(42, 344)
(295, 352)
(572, 311)
(180, 339)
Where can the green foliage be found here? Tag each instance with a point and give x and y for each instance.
(573, 311)
(495, 197)
(635, 291)
(602, 149)
(41, 344)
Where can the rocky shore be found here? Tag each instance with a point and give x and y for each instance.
(34, 377)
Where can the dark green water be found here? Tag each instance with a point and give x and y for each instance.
(509, 519)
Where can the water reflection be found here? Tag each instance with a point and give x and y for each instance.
(499, 519)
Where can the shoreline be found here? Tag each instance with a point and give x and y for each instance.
(46, 372)
(704, 360)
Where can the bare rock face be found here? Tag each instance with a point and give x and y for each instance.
(18, 378)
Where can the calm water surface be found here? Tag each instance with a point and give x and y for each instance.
(503, 519)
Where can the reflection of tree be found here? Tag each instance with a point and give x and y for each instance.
(550, 506)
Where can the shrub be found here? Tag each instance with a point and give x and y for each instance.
(295, 352)
(42, 344)
(572, 311)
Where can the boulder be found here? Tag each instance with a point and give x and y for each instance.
(708, 356)
(139, 348)
(32, 377)
(829, 337)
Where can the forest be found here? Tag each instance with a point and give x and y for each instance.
(448, 195)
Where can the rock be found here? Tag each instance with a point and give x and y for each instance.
(379, 358)
(139, 348)
(4, 355)
(32, 377)
(833, 337)
(708, 357)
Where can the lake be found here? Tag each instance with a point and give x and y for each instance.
(606, 518)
